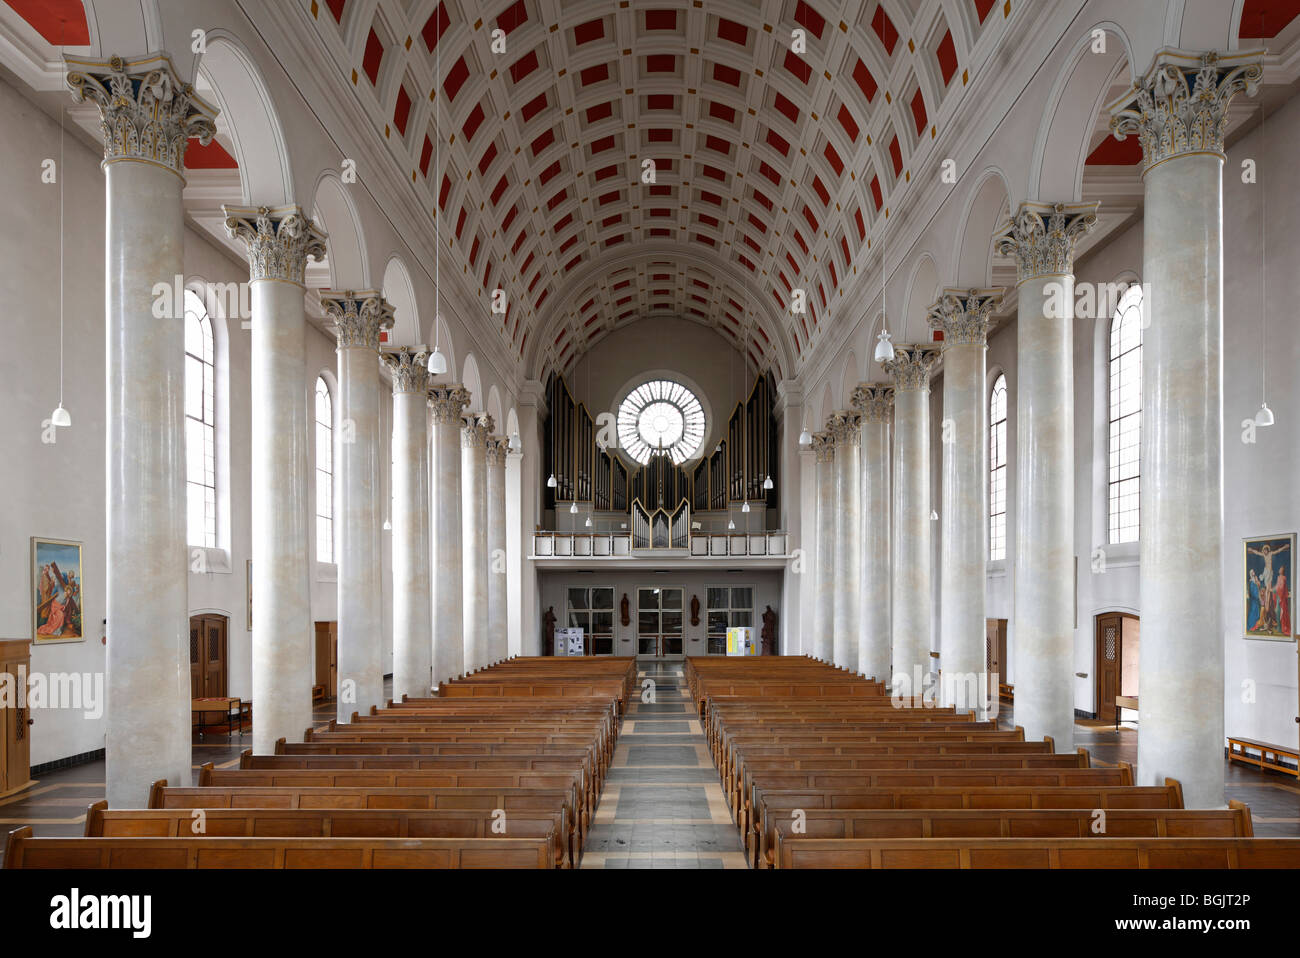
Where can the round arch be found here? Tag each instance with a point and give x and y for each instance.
(227, 74)
(473, 382)
(345, 247)
(988, 205)
(1062, 144)
(922, 291)
(400, 293)
(494, 409)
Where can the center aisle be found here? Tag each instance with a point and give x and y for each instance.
(662, 805)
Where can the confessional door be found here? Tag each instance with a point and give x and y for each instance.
(208, 660)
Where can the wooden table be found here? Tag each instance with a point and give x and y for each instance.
(227, 706)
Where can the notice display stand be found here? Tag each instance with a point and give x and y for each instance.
(570, 642)
(740, 641)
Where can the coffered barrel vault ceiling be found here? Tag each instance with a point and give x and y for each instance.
(774, 169)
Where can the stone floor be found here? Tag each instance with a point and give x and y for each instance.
(662, 805)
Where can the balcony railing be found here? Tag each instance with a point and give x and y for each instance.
(563, 545)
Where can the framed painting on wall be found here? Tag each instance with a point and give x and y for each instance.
(1268, 597)
(56, 591)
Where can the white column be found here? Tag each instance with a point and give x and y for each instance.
(412, 623)
(358, 319)
(498, 447)
(875, 402)
(447, 403)
(1041, 237)
(964, 317)
(822, 645)
(789, 410)
(1178, 111)
(846, 429)
(911, 587)
(279, 242)
(148, 664)
(532, 408)
(474, 538)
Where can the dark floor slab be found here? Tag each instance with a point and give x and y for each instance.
(662, 707)
(678, 755)
(680, 727)
(642, 738)
(651, 776)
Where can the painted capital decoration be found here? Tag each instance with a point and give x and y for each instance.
(409, 368)
(279, 240)
(497, 447)
(911, 366)
(1042, 236)
(823, 444)
(448, 403)
(1180, 105)
(965, 315)
(845, 427)
(145, 112)
(475, 430)
(359, 317)
(874, 401)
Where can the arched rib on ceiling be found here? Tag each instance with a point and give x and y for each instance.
(774, 163)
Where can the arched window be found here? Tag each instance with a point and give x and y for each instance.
(200, 427)
(1125, 375)
(998, 470)
(324, 472)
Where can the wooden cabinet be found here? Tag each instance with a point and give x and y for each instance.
(327, 657)
(15, 720)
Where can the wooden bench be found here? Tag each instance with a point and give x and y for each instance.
(1176, 853)
(330, 823)
(24, 851)
(1270, 756)
(1232, 822)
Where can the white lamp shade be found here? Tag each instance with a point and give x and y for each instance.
(1262, 418)
(745, 507)
(767, 483)
(731, 523)
(550, 483)
(884, 348)
(588, 522)
(805, 437)
(437, 362)
(60, 417)
(573, 509)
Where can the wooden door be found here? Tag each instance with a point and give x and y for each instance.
(1109, 645)
(208, 661)
(995, 653)
(15, 721)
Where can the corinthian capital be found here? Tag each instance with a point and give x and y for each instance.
(475, 430)
(911, 366)
(279, 240)
(1041, 236)
(824, 446)
(145, 112)
(1180, 105)
(497, 447)
(965, 315)
(358, 317)
(845, 427)
(447, 403)
(874, 401)
(409, 369)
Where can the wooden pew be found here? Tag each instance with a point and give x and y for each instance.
(24, 851)
(330, 823)
(1177, 853)
(1232, 822)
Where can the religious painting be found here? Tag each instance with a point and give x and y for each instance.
(56, 591)
(1268, 596)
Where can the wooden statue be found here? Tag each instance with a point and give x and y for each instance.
(548, 623)
(623, 613)
(768, 635)
(695, 610)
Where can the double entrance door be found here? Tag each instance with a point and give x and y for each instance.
(659, 626)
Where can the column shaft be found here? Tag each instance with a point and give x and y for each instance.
(822, 645)
(846, 428)
(474, 539)
(447, 402)
(412, 622)
(876, 405)
(911, 581)
(497, 638)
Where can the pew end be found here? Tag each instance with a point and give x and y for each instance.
(16, 837)
(95, 818)
(205, 774)
(1051, 743)
(279, 746)
(1020, 733)
(156, 793)
(246, 758)
(1177, 786)
(1085, 758)
(1248, 823)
